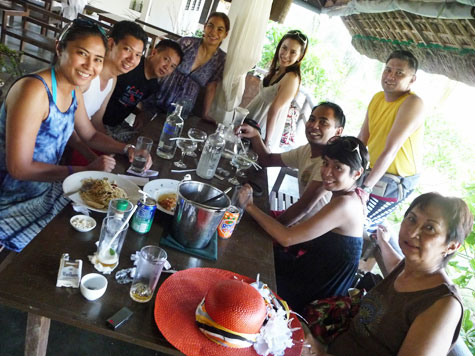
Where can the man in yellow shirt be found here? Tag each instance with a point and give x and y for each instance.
(393, 132)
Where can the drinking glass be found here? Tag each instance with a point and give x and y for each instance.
(240, 161)
(141, 153)
(253, 157)
(109, 248)
(186, 146)
(197, 134)
(150, 263)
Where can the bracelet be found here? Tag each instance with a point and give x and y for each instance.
(70, 170)
(367, 189)
(126, 148)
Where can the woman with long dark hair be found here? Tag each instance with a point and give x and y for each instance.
(270, 107)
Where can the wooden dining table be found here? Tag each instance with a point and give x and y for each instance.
(28, 282)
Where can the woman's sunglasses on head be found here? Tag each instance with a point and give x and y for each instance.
(300, 35)
(81, 23)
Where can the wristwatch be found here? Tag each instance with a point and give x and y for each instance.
(126, 148)
(367, 189)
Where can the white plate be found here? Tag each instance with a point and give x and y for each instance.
(159, 186)
(74, 183)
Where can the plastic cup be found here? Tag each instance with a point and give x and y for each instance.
(141, 153)
(150, 263)
(108, 250)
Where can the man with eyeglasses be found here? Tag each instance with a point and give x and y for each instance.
(137, 85)
(393, 132)
(326, 121)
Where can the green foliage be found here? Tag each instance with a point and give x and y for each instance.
(10, 61)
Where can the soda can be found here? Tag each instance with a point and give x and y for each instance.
(142, 220)
(228, 223)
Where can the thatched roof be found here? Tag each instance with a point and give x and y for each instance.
(442, 46)
(440, 33)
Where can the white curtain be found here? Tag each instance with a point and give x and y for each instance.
(71, 8)
(243, 46)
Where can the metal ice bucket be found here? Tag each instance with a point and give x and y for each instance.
(194, 224)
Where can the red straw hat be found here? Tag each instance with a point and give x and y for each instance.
(175, 307)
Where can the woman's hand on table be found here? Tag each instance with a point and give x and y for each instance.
(103, 163)
(245, 196)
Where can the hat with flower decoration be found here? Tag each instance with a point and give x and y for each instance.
(214, 312)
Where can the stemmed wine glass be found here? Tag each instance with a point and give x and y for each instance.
(196, 134)
(186, 146)
(241, 161)
(253, 157)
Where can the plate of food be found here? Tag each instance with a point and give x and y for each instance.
(95, 189)
(164, 192)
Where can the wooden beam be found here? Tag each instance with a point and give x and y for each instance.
(279, 10)
(37, 331)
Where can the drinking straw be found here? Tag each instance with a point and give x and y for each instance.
(121, 227)
(186, 139)
(254, 164)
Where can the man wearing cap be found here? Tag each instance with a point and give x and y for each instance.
(138, 84)
(393, 132)
(326, 120)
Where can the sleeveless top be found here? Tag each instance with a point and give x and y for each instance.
(385, 317)
(94, 97)
(259, 108)
(381, 116)
(319, 268)
(27, 206)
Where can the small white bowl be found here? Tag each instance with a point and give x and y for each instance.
(93, 286)
(82, 223)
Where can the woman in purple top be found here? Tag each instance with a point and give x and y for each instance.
(202, 66)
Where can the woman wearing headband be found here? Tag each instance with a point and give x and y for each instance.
(36, 121)
(416, 309)
(202, 67)
(270, 107)
(318, 258)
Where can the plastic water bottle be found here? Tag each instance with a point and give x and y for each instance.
(211, 154)
(172, 129)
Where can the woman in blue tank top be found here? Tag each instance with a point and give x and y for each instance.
(318, 258)
(36, 121)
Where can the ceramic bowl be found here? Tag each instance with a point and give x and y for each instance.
(93, 286)
(82, 223)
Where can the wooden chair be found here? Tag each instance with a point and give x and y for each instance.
(277, 199)
(27, 33)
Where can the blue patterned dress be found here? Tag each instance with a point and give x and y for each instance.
(27, 206)
(184, 84)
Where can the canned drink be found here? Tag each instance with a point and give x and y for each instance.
(228, 223)
(142, 220)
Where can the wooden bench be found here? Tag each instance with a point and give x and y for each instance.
(47, 22)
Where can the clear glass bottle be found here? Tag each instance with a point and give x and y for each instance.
(211, 154)
(171, 129)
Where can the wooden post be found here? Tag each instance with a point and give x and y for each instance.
(37, 331)
(279, 10)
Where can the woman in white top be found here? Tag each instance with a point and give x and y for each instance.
(269, 108)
